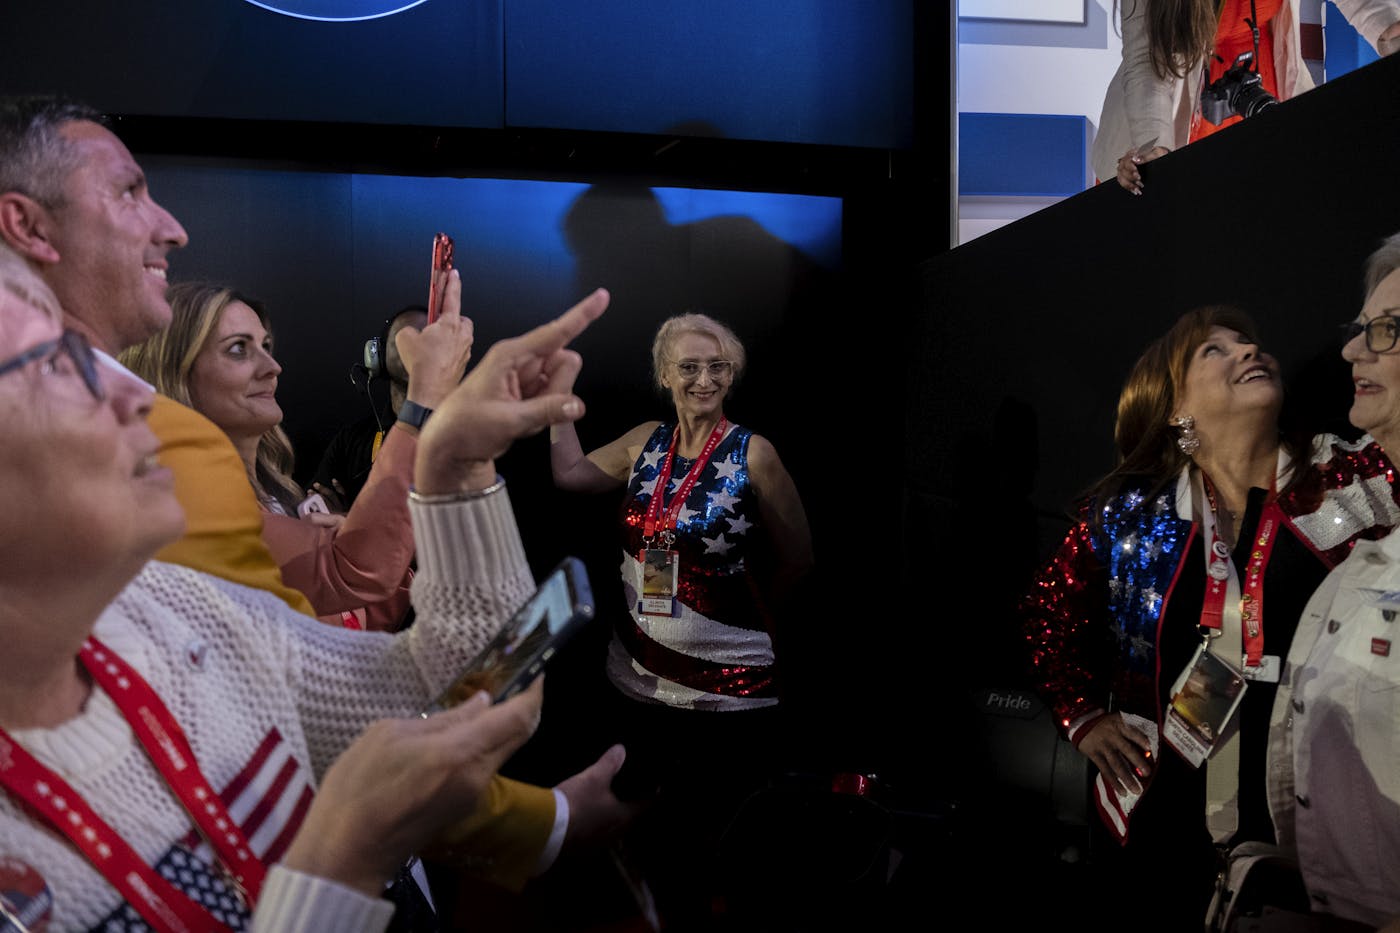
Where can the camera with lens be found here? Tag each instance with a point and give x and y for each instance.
(1239, 90)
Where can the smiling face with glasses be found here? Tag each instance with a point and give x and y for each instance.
(1371, 349)
(88, 494)
(1381, 332)
(698, 375)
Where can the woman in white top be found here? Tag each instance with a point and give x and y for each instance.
(162, 765)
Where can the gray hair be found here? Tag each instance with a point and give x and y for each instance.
(35, 160)
(1382, 262)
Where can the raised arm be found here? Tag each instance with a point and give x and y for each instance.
(606, 468)
(364, 560)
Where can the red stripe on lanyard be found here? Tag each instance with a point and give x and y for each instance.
(1252, 602)
(170, 751)
(155, 899)
(162, 905)
(653, 522)
(1252, 597)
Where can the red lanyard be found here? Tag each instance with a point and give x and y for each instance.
(1220, 582)
(162, 905)
(653, 522)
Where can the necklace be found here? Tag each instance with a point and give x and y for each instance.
(1228, 527)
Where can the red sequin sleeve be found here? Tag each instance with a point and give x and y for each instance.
(1065, 626)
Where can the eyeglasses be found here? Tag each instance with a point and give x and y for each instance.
(1381, 332)
(718, 369)
(70, 342)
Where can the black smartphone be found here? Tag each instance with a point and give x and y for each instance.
(516, 656)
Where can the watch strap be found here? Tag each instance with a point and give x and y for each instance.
(413, 414)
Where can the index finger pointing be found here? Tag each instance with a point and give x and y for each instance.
(556, 334)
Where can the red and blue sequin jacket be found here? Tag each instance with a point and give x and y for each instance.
(1119, 572)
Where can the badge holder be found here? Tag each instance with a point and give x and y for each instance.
(660, 571)
(1204, 699)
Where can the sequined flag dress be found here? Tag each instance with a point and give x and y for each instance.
(714, 651)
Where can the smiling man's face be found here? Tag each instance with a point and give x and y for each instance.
(113, 241)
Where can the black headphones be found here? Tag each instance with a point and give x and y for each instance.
(376, 358)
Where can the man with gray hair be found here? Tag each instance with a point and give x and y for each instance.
(75, 205)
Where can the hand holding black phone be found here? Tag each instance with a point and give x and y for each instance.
(519, 652)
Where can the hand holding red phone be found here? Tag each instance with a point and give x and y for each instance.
(443, 252)
(436, 357)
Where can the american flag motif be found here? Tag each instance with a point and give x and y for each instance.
(268, 798)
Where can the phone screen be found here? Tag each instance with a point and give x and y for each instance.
(519, 652)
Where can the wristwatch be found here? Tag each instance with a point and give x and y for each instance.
(413, 414)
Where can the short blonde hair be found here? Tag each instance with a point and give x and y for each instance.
(673, 328)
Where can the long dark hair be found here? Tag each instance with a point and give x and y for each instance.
(1148, 454)
(1180, 34)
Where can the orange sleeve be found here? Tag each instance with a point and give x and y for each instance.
(223, 523)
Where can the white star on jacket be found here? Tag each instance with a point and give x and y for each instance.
(726, 469)
(717, 544)
(723, 499)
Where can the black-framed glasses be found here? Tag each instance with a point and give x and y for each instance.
(718, 369)
(70, 342)
(1382, 332)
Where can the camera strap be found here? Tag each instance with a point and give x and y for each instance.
(1252, 21)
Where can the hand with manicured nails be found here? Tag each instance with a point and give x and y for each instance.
(1121, 753)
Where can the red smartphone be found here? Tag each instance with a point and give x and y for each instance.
(442, 262)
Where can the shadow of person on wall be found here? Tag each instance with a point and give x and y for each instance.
(777, 300)
(780, 302)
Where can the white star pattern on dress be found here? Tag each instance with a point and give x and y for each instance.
(652, 458)
(717, 544)
(726, 469)
(738, 524)
(724, 500)
(647, 488)
(686, 515)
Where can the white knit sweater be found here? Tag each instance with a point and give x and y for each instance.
(268, 698)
